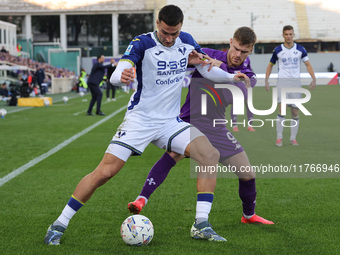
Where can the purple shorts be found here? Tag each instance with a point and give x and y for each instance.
(221, 138)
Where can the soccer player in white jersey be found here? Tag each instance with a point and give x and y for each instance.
(289, 56)
(160, 59)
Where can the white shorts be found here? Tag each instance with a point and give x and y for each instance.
(133, 136)
(288, 83)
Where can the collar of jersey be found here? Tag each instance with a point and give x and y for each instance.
(155, 34)
(290, 47)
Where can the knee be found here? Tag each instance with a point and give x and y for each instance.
(247, 176)
(101, 176)
(203, 152)
(212, 155)
(177, 157)
(215, 155)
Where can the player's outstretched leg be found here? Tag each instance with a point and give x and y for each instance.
(56, 230)
(156, 177)
(108, 167)
(204, 231)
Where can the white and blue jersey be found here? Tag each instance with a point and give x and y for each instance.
(289, 60)
(160, 72)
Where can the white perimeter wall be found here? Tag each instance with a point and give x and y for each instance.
(319, 61)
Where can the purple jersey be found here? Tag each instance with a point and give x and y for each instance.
(217, 101)
(224, 94)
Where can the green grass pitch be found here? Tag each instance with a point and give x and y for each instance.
(305, 210)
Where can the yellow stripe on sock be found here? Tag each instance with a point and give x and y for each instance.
(77, 200)
(205, 193)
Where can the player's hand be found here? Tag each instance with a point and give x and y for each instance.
(312, 85)
(209, 61)
(128, 75)
(196, 58)
(266, 85)
(244, 78)
(216, 63)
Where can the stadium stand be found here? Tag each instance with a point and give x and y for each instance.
(31, 64)
(315, 21)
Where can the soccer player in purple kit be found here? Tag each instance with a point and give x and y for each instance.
(235, 60)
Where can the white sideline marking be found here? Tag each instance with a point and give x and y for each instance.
(60, 146)
(19, 109)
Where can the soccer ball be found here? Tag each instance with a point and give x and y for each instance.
(3, 113)
(65, 99)
(137, 230)
(46, 102)
(81, 93)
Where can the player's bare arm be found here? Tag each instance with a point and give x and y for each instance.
(311, 72)
(268, 72)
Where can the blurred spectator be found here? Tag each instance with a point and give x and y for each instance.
(109, 86)
(24, 76)
(3, 49)
(330, 68)
(30, 63)
(40, 78)
(3, 90)
(13, 100)
(25, 91)
(19, 48)
(30, 79)
(82, 83)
